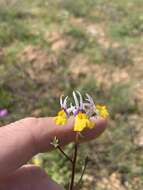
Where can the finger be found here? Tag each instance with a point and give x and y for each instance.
(21, 140)
(29, 177)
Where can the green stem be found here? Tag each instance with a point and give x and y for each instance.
(74, 163)
(83, 172)
(61, 150)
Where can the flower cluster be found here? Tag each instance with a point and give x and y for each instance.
(3, 112)
(82, 110)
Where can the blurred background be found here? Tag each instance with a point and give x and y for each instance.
(49, 48)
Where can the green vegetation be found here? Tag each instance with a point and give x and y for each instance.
(48, 48)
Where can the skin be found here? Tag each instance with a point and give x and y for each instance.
(21, 140)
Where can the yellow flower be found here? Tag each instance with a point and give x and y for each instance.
(37, 161)
(82, 121)
(103, 111)
(61, 118)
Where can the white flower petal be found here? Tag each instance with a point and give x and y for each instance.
(61, 101)
(76, 100)
(81, 99)
(65, 102)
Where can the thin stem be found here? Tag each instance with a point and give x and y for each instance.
(74, 163)
(83, 171)
(61, 150)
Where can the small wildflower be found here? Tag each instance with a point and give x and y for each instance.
(62, 115)
(82, 110)
(3, 113)
(55, 142)
(81, 122)
(37, 160)
(96, 110)
(102, 109)
(61, 118)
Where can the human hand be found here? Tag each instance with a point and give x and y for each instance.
(21, 140)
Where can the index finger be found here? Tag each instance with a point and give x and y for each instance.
(23, 139)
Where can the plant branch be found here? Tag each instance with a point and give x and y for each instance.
(74, 163)
(61, 150)
(83, 171)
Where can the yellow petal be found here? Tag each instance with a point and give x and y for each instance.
(79, 125)
(103, 111)
(81, 122)
(37, 161)
(62, 113)
(90, 124)
(60, 120)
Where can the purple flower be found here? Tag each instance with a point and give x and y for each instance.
(3, 113)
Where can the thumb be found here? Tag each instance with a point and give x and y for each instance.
(29, 177)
